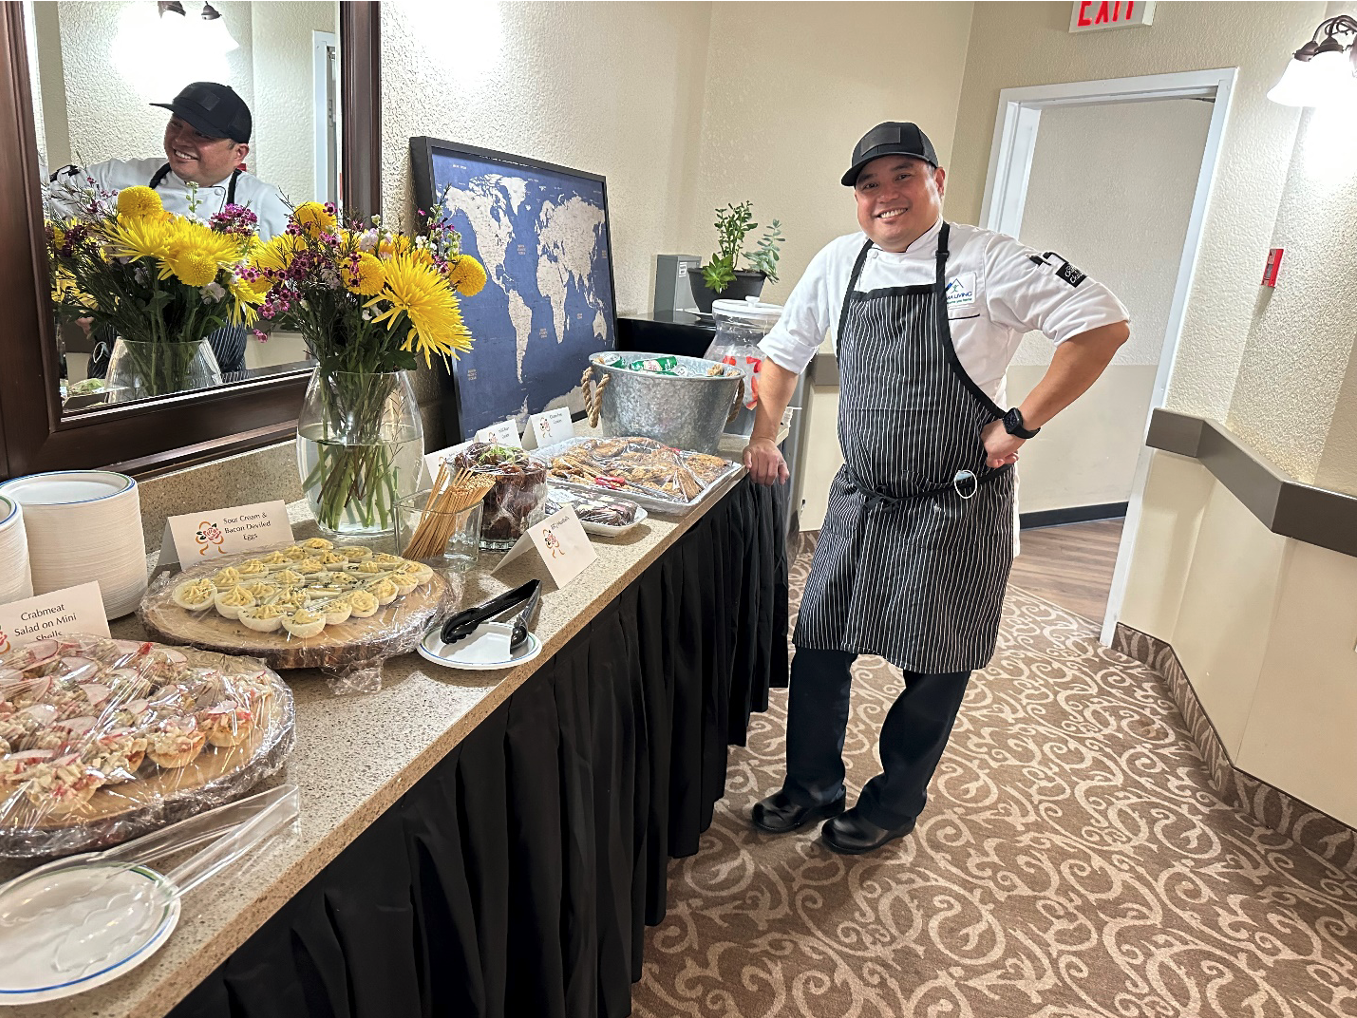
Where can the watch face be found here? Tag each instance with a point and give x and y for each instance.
(1013, 419)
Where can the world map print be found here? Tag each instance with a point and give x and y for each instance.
(548, 301)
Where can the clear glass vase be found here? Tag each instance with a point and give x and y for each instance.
(360, 446)
(141, 370)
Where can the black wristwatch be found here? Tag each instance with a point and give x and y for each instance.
(1013, 424)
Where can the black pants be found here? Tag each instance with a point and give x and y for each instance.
(911, 741)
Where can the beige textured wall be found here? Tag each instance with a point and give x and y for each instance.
(282, 151)
(1030, 44)
(1286, 400)
(614, 89)
(789, 91)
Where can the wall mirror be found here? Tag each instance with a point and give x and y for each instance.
(79, 118)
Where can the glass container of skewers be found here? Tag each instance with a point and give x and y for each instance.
(441, 525)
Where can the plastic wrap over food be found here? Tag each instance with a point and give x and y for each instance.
(518, 499)
(344, 609)
(104, 740)
(647, 471)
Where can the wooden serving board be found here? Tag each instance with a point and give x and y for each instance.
(354, 643)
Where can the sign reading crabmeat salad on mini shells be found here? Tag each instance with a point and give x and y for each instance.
(195, 538)
(60, 613)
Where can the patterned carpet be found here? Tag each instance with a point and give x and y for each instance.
(1072, 863)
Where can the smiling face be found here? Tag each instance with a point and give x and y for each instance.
(899, 199)
(197, 158)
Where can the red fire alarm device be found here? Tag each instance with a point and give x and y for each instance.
(1274, 262)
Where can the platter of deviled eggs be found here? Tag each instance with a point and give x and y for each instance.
(314, 604)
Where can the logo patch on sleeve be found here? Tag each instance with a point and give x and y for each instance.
(1069, 273)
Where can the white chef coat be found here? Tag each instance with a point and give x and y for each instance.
(114, 174)
(997, 290)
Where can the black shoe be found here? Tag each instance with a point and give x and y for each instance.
(777, 814)
(853, 834)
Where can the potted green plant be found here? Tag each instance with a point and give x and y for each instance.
(721, 277)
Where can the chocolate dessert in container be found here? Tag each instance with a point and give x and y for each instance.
(518, 499)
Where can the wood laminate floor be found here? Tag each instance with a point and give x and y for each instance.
(1070, 565)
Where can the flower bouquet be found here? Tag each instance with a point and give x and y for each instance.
(368, 302)
(160, 282)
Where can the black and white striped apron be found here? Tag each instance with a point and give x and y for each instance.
(913, 555)
(228, 343)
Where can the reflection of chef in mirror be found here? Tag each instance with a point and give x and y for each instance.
(206, 142)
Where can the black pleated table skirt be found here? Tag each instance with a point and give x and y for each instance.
(517, 876)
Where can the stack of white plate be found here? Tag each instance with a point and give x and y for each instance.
(16, 583)
(84, 525)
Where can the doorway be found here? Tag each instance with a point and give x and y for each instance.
(1116, 174)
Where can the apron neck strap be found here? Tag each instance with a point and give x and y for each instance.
(852, 282)
(940, 281)
(159, 176)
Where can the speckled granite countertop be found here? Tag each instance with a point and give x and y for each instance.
(355, 756)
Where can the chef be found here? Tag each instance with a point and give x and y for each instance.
(917, 542)
(206, 141)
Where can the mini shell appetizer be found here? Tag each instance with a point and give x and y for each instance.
(97, 736)
(298, 591)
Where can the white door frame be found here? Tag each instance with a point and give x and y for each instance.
(1010, 165)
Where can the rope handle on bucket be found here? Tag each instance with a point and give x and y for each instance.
(593, 394)
(739, 401)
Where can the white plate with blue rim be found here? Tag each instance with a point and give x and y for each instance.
(485, 650)
(73, 928)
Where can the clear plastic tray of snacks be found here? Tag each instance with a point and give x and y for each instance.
(104, 740)
(599, 513)
(343, 609)
(644, 471)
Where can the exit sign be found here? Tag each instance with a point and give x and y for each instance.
(1090, 15)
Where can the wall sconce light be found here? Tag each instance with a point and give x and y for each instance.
(1322, 71)
(214, 28)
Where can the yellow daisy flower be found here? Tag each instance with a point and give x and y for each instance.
(466, 275)
(423, 295)
(369, 279)
(277, 254)
(140, 237)
(314, 218)
(139, 200)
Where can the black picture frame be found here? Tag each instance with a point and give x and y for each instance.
(423, 153)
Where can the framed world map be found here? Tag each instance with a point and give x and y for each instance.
(541, 231)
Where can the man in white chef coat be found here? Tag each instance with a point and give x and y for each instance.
(206, 142)
(916, 546)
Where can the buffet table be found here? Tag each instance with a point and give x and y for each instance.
(490, 843)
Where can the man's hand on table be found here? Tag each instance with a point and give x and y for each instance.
(764, 462)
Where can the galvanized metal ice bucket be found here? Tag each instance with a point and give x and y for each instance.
(686, 411)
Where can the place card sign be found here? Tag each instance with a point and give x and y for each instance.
(560, 542)
(433, 460)
(552, 426)
(503, 433)
(60, 613)
(195, 538)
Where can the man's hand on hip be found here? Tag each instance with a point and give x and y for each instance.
(764, 462)
(1001, 448)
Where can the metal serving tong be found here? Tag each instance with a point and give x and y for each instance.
(464, 623)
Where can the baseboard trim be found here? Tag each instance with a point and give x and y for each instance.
(1074, 514)
(1311, 828)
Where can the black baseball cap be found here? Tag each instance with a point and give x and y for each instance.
(213, 109)
(890, 139)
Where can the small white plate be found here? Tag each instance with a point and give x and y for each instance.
(77, 927)
(485, 650)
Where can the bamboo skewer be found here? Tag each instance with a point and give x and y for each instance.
(448, 498)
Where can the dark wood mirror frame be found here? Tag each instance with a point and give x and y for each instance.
(166, 433)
